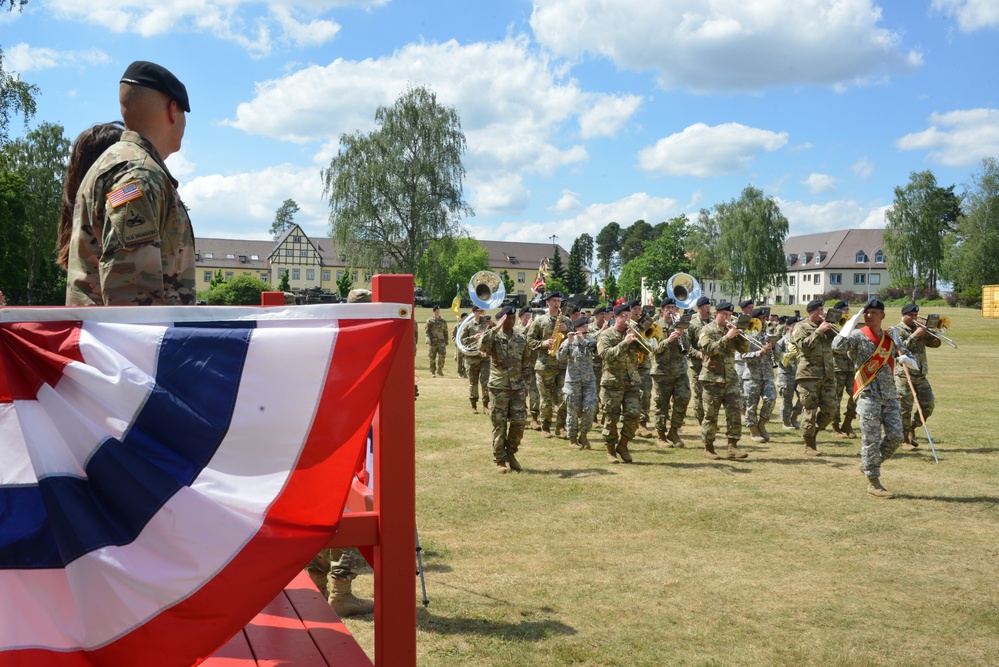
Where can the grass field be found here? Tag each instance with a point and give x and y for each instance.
(778, 559)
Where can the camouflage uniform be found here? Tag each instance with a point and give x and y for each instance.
(645, 373)
(815, 376)
(593, 330)
(757, 383)
(620, 385)
(694, 332)
(924, 393)
(844, 384)
(790, 405)
(459, 356)
(509, 355)
(669, 377)
(877, 406)
(139, 252)
(719, 382)
(436, 332)
(580, 385)
(476, 366)
(550, 376)
(530, 378)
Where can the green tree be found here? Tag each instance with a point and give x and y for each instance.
(974, 245)
(554, 284)
(703, 245)
(343, 285)
(633, 240)
(575, 277)
(394, 191)
(449, 262)
(556, 269)
(663, 257)
(40, 159)
(918, 220)
(608, 245)
(241, 290)
(508, 285)
(13, 237)
(585, 242)
(284, 282)
(752, 233)
(611, 291)
(284, 218)
(217, 279)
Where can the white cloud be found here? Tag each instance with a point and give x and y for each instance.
(817, 183)
(568, 202)
(971, 15)
(607, 115)
(178, 164)
(504, 195)
(863, 168)
(24, 58)
(957, 138)
(704, 151)
(729, 45)
(840, 214)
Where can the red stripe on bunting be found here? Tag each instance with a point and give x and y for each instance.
(296, 527)
(35, 353)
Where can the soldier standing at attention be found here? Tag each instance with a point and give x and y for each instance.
(509, 355)
(530, 378)
(477, 365)
(760, 394)
(873, 352)
(132, 242)
(816, 373)
(669, 377)
(720, 382)
(549, 379)
(436, 338)
(698, 322)
(580, 384)
(620, 387)
(844, 384)
(786, 384)
(915, 339)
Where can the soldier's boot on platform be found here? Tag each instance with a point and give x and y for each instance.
(584, 442)
(810, 448)
(661, 439)
(733, 451)
(475, 406)
(763, 431)
(847, 427)
(345, 603)
(514, 463)
(875, 489)
(674, 438)
(755, 435)
(709, 452)
(622, 450)
(611, 456)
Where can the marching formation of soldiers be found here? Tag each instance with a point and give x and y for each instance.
(564, 373)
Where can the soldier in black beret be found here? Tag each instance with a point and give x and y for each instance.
(747, 306)
(702, 318)
(718, 343)
(913, 336)
(844, 384)
(546, 334)
(507, 351)
(816, 375)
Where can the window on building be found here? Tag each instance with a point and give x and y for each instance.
(208, 276)
(326, 276)
(296, 274)
(263, 276)
(859, 279)
(353, 276)
(807, 278)
(288, 252)
(521, 277)
(790, 299)
(861, 257)
(281, 272)
(875, 278)
(228, 275)
(817, 279)
(367, 277)
(835, 278)
(197, 257)
(209, 255)
(310, 274)
(229, 255)
(296, 239)
(339, 275)
(790, 281)
(242, 258)
(879, 257)
(254, 257)
(303, 253)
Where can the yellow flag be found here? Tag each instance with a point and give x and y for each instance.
(456, 307)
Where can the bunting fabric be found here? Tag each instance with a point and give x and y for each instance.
(166, 471)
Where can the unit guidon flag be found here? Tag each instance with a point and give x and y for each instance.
(164, 472)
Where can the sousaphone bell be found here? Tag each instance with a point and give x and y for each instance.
(683, 288)
(486, 290)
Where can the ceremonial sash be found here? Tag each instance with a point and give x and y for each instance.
(869, 369)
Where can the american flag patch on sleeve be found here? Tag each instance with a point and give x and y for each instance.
(125, 193)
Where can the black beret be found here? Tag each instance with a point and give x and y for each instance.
(813, 304)
(793, 320)
(669, 301)
(477, 308)
(782, 319)
(525, 309)
(599, 309)
(506, 310)
(637, 303)
(910, 308)
(874, 304)
(574, 310)
(621, 307)
(550, 295)
(840, 305)
(436, 306)
(757, 312)
(703, 301)
(724, 305)
(159, 78)
(580, 322)
(746, 303)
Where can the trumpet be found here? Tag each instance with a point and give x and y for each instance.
(935, 325)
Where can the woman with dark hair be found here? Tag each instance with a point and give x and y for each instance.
(89, 146)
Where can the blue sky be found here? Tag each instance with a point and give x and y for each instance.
(576, 112)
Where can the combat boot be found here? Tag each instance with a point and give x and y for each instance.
(320, 579)
(837, 431)
(485, 404)
(559, 432)
(733, 451)
(643, 430)
(763, 430)
(573, 442)
(755, 435)
(584, 442)
(501, 467)
(847, 427)
(514, 463)
(622, 450)
(810, 448)
(546, 429)
(611, 456)
(709, 452)
(788, 426)
(475, 406)
(674, 438)
(344, 602)
(909, 443)
(662, 441)
(535, 424)
(875, 489)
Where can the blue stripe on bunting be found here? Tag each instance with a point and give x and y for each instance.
(171, 440)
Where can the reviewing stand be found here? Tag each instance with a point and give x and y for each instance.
(298, 628)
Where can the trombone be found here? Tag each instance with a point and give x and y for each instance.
(640, 337)
(935, 325)
(751, 324)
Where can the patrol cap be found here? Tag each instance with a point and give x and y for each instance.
(813, 304)
(703, 301)
(506, 310)
(840, 305)
(525, 309)
(757, 312)
(746, 304)
(622, 307)
(669, 301)
(580, 322)
(724, 305)
(874, 304)
(157, 77)
(910, 308)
